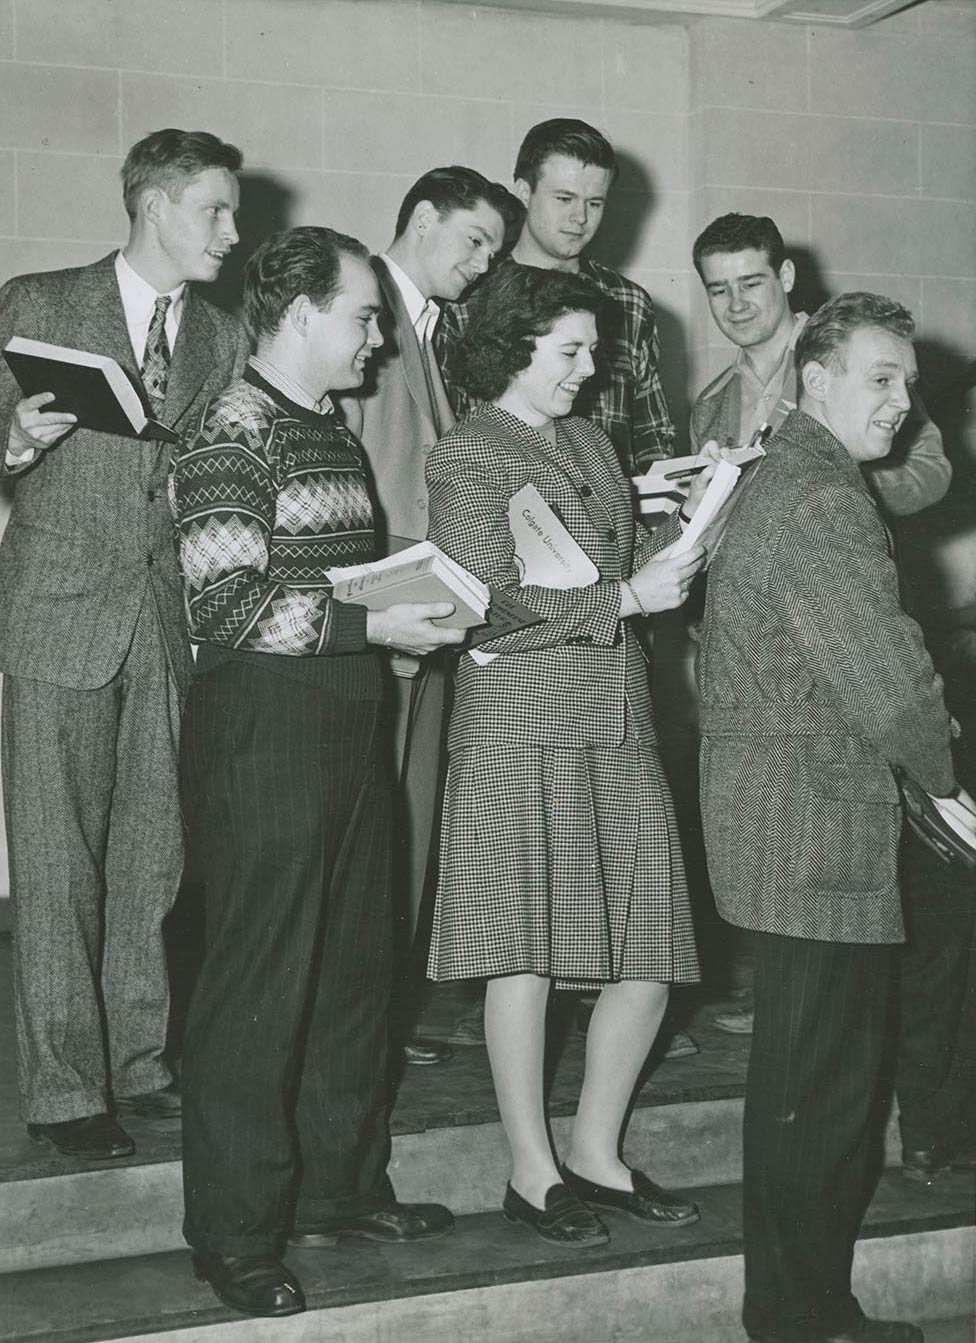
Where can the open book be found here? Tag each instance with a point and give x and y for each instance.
(711, 517)
(421, 573)
(94, 387)
(546, 554)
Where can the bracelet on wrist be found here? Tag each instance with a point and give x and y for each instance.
(639, 604)
(683, 515)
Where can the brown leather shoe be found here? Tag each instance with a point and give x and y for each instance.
(95, 1138)
(396, 1224)
(252, 1284)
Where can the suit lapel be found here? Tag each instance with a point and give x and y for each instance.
(100, 319)
(439, 413)
(193, 358)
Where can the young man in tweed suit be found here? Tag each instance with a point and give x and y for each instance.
(815, 687)
(285, 777)
(95, 654)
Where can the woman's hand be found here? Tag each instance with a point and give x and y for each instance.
(660, 584)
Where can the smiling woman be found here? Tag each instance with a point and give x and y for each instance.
(560, 860)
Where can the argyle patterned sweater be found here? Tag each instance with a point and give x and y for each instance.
(267, 496)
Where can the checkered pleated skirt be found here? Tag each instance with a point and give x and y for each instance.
(563, 863)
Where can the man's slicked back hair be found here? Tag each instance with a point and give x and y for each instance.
(825, 335)
(566, 136)
(457, 188)
(740, 233)
(305, 260)
(170, 159)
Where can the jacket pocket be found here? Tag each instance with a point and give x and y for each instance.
(851, 820)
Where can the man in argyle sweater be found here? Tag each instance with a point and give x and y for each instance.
(285, 786)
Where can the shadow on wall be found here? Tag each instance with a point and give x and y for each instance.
(266, 205)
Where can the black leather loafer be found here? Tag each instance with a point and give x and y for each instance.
(925, 1164)
(95, 1138)
(563, 1221)
(423, 1053)
(397, 1224)
(252, 1284)
(165, 1104)
(647, 1202)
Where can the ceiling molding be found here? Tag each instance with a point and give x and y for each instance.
(832, 13)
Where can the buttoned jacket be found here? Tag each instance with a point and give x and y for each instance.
(567, 681)
(90, 535)
(398, 415)
(814, 686)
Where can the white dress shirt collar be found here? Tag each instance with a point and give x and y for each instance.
(423, 312)
(139, 303)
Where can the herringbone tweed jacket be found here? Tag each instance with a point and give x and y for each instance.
(91, 524)
(814, 683)
(567, 681)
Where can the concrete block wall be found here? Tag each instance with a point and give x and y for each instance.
(862, 144)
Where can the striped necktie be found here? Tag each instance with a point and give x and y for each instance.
(155, 361)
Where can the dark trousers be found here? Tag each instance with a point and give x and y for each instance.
(936, 1061)
(821, 1011)
(284, 1067)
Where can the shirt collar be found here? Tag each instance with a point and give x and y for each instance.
(744, 365)
(138, 295)
(289, 387)
(423, 312)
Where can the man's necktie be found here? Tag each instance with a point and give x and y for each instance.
(425, 331)
(155, 361)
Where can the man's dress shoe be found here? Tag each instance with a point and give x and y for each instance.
(95, 1138)
(646, 1202)
(873, 1331)
(254, 1284)
(422, 1052)
(924, 1165)
(165, 1104)
(396, 1224)
(565, 1220)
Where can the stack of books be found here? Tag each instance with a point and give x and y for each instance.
(421, 573)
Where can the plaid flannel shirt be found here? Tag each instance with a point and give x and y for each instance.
(624, 397)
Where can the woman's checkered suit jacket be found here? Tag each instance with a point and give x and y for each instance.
(563, 682)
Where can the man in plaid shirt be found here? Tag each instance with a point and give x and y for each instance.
(563, 173)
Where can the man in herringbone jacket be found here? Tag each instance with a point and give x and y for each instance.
(815, 688)
(94, 650)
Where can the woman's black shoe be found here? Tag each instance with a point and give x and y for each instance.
(565, 1221)
(647, 1202)
(253, 1284)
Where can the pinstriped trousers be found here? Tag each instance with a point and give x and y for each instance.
(284, 1065)
(96, 850)
(821, 1013)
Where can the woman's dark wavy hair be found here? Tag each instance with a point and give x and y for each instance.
(509, 310)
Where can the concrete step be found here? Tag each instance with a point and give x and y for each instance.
(494, 1283)
(136, 1209)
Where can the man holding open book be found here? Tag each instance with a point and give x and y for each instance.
(94, 649)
